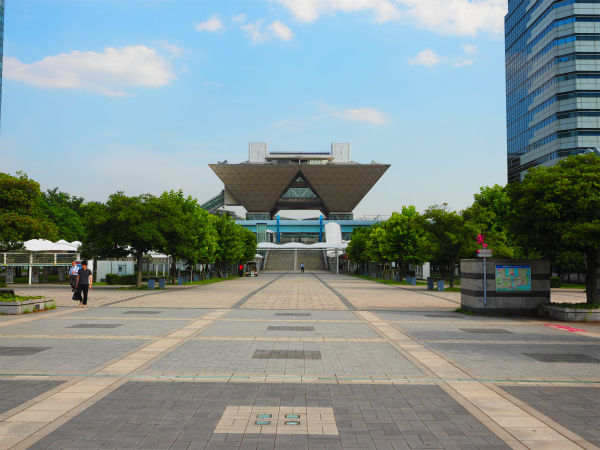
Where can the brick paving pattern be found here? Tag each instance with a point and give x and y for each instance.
(289, 360)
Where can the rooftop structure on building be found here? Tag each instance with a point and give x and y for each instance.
(552, 81)
(270, 182)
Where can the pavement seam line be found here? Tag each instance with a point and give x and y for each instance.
(247, 297)
(57, 405)
(343, 299)
(489, 402)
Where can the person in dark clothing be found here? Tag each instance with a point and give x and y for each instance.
(73, 270)
(84, 282)
(302, 267)
(241, 270)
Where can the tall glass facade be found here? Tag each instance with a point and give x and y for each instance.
(552, 81)
(1, 46)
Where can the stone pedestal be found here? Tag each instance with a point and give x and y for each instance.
(500, 299)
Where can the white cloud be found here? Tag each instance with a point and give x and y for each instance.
(458, 17)
(259, 34)
(239, 18)
(213, 24)
(455, 17)
(108, 73)
(281, 30)
(470, 49)
(368, 115)
(427, 58)
(310, 10)
(463, 62)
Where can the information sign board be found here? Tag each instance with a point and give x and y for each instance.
(513, 278)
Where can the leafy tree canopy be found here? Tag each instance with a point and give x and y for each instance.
(21, 214)
(65, 211)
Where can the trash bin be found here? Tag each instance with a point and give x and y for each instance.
(161, 283)
(429, 284)
(179, 280)
(440, 285)
(409, 280)
(150, 283)
(195, 277)
(413, 281)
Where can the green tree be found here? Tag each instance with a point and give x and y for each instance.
(125, 225)
(21, 214)
(558, 209)
(65, 211)
(249, 244)
(405, 232)
(357, 247)
(230, 248)
(379, 246)
(449, 237)
(489, 215)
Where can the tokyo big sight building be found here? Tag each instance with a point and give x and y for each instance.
(552, 81)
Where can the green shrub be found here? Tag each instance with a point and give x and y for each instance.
(2, 284)
(555, 282)
(113, 279)
(6, 297)
(577, 305)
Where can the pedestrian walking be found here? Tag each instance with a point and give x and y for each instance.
(84, 282)
(241, 270)
(302, 267)
(73, 271)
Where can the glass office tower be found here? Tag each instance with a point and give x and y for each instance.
(1, 46)
(552, 81)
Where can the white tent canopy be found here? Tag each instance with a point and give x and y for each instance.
(301, 246)
(43, 245)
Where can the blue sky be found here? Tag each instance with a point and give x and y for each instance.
(140, 95)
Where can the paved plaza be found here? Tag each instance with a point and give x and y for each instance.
(289, 360)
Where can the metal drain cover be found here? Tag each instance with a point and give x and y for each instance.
(96, 325)
(563, 357)
(21, 351)
(286, 354)
(289, 328)
(486, 330)
(142, 312)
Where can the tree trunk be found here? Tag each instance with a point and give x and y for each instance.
(452, 269)
(138, 282)
(173, 269)
(592, 258)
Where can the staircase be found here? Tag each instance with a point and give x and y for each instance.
(280, 260)
(312, 259)
(283, 260)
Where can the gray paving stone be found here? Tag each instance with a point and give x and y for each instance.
(575, 408)
(15, 392)
(193, 409)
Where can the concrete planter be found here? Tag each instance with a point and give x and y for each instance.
(569, 314)
(26, 306)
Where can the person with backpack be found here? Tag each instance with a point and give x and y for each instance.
(84, 283)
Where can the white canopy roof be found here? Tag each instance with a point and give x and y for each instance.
(300, 246)
(43, 245)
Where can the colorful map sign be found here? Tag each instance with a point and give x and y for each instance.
(513, 278)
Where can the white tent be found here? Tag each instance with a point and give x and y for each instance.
(43, 245)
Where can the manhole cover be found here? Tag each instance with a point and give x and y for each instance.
(286, 354)
(294, 314)
(486, 330)
(284, 328)
(142, 312)
(21, 351)
(562, 357)
(96, 325)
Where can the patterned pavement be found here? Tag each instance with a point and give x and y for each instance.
(292, 361)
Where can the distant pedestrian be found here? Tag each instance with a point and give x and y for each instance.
(84, 282)
(302, 267)
(73, 270)
(241, 269)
